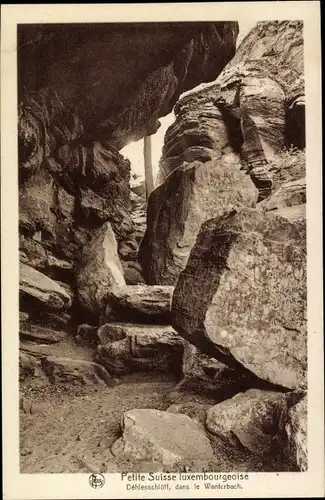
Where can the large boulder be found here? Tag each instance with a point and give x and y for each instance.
(40, 290)
(242, 297)
(192, 194)
(296, 433)
(253, 418)
(163, 437)
(127, 348)
(100, 269)
(142, 303)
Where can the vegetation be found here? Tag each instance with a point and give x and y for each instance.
(288, 165)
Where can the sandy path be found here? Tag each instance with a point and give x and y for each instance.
(77, 430)
(80, 425)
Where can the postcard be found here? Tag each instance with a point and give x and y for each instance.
(162, 250)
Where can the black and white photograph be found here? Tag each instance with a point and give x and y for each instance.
(162, 220)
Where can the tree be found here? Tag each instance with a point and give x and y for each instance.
(148, 165)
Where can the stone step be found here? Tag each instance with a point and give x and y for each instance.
(139, 303)
(144, 334)
(38, 333)
(135, 347)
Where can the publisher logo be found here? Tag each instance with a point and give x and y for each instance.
(96, 480)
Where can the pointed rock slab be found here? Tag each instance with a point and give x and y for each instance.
(160, 436)
(192, 194)
(75, 371)
(253, 418)
(126, 348)
(139, 303)
(296, 431)
(242, 296)
(41, 289)
(100, 269)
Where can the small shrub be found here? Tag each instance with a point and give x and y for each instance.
(288, 159)
(288, 165)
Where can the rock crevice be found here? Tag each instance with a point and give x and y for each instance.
(205, 284)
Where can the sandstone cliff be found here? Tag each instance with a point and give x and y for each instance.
(245, 119)
(265, 81)
(239, 263)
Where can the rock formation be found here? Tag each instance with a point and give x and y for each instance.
(240, 273)
(206, 285)
(241, 121)
(100, 269)
(253, 418)
(73, 122)
(252, 100)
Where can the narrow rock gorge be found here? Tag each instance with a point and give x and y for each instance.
(168, 333)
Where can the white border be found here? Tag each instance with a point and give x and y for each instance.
(71, 486)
